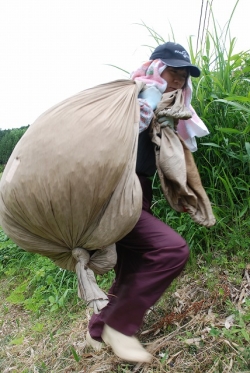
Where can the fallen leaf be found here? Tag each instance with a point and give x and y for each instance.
(229, 321)
(192, 341)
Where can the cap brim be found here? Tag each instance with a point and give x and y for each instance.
(194, 70)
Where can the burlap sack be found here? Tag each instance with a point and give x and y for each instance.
(179, 176)
(70, 181)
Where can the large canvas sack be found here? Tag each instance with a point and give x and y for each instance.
(70, 181)
(179, 176)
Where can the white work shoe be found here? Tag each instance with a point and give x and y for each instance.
(126, 348)
(96, 345)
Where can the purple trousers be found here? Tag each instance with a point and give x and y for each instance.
(150, 257)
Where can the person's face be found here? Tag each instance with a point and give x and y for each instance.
(175, 77)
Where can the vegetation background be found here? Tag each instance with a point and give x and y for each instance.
(202, 324)
(8, 140)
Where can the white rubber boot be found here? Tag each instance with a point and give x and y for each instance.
(96, 345)
(126, 348)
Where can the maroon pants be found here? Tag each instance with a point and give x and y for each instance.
(149, 258)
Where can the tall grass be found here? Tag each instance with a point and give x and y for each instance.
(222, 100)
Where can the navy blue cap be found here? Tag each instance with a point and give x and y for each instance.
(174, 55)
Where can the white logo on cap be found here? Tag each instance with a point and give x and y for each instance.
(184, 53)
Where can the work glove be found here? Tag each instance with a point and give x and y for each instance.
(152, 95)
(166, 122)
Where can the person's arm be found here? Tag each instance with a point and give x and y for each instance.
(148, 100)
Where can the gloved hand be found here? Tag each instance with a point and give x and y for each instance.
(166, 122)
(152, 95)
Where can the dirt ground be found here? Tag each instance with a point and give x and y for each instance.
(196, 327)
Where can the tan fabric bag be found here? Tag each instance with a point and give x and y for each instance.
(70, 181)
(179, 176)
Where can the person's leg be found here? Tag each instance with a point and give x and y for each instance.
(97, 321)
(149, 258)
